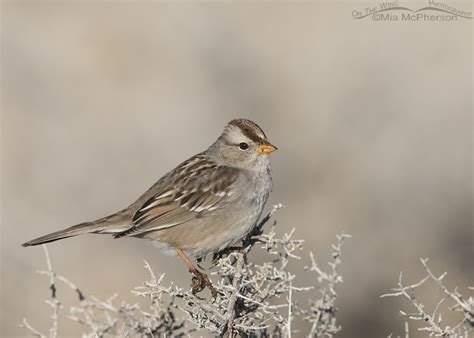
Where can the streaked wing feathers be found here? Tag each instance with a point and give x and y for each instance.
(197, 186)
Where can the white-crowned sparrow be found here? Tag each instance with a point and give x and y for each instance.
(207, 203)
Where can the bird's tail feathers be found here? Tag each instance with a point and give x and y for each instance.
(111, 224)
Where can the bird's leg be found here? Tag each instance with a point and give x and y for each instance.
(200, 279)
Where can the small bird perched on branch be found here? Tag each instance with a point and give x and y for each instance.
(206, 204)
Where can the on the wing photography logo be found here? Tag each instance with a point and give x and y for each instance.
(435, 11)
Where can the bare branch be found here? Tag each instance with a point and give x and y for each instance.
(35, 332)
(434, 319)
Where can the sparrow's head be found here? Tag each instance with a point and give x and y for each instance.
(243, 144)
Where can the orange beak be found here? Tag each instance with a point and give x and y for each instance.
(266, 148)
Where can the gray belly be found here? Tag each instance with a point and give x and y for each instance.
(214, 232)
(233, 224)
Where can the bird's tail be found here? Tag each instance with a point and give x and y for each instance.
(111, 224)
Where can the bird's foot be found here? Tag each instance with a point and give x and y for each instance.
(200, 281)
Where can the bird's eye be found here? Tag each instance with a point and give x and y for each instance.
(243, 146)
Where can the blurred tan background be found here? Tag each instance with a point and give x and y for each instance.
(373, 121)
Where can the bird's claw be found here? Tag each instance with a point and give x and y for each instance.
(200, 281)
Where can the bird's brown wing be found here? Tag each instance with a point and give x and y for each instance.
(193, 189)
